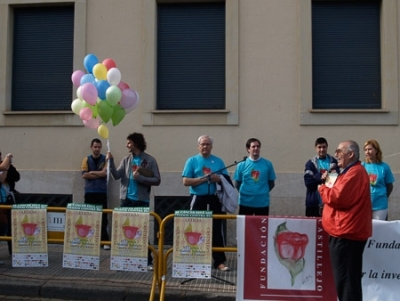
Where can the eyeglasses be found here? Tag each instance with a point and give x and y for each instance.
(205, 144)
(338, 151)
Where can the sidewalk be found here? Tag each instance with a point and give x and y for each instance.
(56, 282)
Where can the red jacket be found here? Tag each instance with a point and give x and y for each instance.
(348, 211)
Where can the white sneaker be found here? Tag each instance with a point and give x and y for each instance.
(106, 247)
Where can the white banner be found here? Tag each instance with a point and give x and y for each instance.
(381, 264)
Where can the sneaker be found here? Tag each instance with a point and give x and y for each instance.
(223, 268)
(150, 268)
(106, 247)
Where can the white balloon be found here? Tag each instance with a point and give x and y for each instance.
(114, 76)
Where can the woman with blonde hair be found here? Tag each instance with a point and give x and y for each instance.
(380, 177)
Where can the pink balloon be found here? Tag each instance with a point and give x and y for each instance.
(89, 93)
(123, 85)
(128, 99)
(86, 114)
(76, 77)
(92, 123)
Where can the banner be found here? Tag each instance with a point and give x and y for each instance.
(129, 243)
(82, 236)
(192, 244)
(283, 258)
(29, 235)
(381, 265)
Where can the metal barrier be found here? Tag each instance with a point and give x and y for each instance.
(160, 257)
(163, 258)
(156, 278)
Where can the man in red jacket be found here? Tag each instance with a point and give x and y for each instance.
(347, 218)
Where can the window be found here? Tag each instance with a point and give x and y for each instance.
(191, 56)
(192, 62)
(42, 58)
(371, 95)
(42, 43)
(346, 55)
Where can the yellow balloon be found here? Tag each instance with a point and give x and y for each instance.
(100, 71)
(103, 131)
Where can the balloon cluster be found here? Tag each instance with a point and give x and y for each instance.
(102, 96)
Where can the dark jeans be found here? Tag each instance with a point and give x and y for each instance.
(246, 210)
(212, 203)
(99, 199)
(313, 211)
(346, 258)
(130, 203)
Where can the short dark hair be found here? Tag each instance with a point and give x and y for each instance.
(321, 140)
(139, 141)
(251, 140)
(95, 140)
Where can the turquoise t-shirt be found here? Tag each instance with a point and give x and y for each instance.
(198, 166)
(323, 164)
(133, 186)
(379, 176)
(254, 176)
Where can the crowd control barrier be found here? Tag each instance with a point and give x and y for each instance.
(160, 257)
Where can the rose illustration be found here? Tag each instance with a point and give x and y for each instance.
(130, 231)
(372, 178)
(29, 228)
(206, 170)
(82, 230)
(290, 249)
(192, 238)
(255, 174)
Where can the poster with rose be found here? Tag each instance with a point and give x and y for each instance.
(130, 238)
(283, 258)
(29, 239)
(192, 244)
(82, 236)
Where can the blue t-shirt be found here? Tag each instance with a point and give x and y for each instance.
(379, 176)
(323, 164)
(198, 166)
(254, 176)
(133, 186)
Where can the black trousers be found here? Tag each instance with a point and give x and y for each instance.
(346, 258)
(246, 210)
(99, 199)
(313, 211)
(212, 203)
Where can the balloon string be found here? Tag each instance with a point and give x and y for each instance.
(108, 165)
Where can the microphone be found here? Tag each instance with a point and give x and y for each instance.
(332, 166)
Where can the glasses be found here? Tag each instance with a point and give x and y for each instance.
(338, 151)
(205, 144)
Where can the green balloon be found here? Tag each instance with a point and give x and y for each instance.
(105, 111)
(118, 115)
(113, 95)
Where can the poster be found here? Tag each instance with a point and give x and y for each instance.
(29, 235)
(192, 244)
(82, 236)
(129, 243)
(283, 258)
